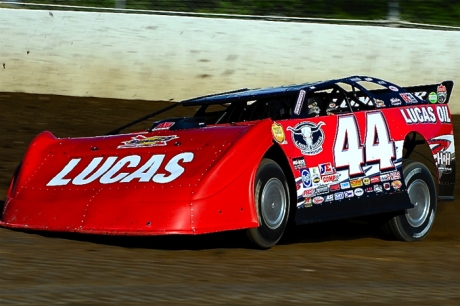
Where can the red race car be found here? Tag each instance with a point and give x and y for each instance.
(250, 159)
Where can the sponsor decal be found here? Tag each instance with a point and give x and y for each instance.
(349, 193)
(393, 88)
(315, 177)
(433, 97)
(338, 195)
(378, 188)
(379, 103)
(356, 183)
(369, 189)
(442, 94)
(298, 184)
(395, 101)
(396, 184)
(408, 98)
(385, 177)
(326, 168)
(345, 185)
(322, 189)
(307, 203)
(418, 114)
(306, 178)
(375, 179)
(141, 141)
(329, 198)
(164, 125)
(443, 114)
(299, 104)
(278, 133)
(444, 161)
(359, 192)
(308, 137)
(308, 193)
(420, 94)
(355, 79)
(332, 105)
(386, 186)
(395, 175)
(116, 169)
(368, 79)
(318, 200)
(381, 82)
(332, 178)
(334, 187)
(299, 163)
(366, 181)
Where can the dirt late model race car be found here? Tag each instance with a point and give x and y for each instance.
(250, 159)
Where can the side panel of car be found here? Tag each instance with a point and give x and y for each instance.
(351, 164)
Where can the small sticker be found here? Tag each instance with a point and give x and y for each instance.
(393, 88)
(433, 97)
(278, 133)
(442, 93)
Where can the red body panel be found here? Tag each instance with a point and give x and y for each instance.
(193, 194)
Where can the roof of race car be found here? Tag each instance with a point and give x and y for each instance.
(245, 94)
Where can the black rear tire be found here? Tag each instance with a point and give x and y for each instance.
(414, 224)
(271, 195)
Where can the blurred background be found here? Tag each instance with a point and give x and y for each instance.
(432, 12)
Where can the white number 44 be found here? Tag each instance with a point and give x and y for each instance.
(378, 146)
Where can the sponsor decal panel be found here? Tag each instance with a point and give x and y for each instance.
(322, 189)
(359, 192)
(331, 178)
(395, 175)
(378, 188)
(299, 103)
(366, 181)
(140, 141)
(396, 184)
(442, 93)
(356, 183)
(326, 168)
(386, 186)
(308, 193)
(444, 161)
(278, 133)
(349, 193)
(418, 114)
(329, 198)
(385, 177)
(306, 178)
(299, 163)
(116, 169)
(307, 202)
(345, 185)
(308, 137)
(164, 125)
(318, 200)
(433, 97)
(375, 179)
(395, 101)
(334, 187)
(408, 98)
(369, 189)
(339, 196)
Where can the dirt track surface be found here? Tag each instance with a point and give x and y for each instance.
(332, 263)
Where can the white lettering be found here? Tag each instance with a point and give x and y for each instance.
(108, 170)
(145, 173)
(59, 180)
(131, 161)
(173, 168)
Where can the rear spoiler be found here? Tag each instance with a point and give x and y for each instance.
(441, 92)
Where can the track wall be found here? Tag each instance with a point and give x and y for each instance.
(154, 57)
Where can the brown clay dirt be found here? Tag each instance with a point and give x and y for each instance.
(336, 263)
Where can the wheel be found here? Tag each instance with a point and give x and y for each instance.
(414, 224)
(272, 198)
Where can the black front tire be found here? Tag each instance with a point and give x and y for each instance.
(414, 224)
(271, 195)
